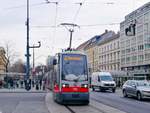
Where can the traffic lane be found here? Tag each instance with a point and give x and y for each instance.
(116, 100)
(22, 103)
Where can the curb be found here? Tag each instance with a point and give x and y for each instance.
(54, 107)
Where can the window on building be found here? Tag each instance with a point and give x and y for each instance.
(128, 59)
(147, 46)
(122, 44)
(140, 47)
(133, 41)
(111, 46)
(127, 43)
(118, 44)
(147, 56)
(140, 28)
(122, 60)
(140, 38)
(147, 38)
(128, 50)
(133, 49)
(140, 57)
(134, 58)
(107, 47)
(123, 52)
(114, 45)
(146, 16)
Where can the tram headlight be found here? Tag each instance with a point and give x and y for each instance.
(84, 85)
(65, 85)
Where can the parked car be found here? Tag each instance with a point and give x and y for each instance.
(102, 81)
(136, 88)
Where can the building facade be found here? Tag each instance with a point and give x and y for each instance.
(103, 52)
(109, 53)
(91, 51)
(3, 62)
(135, 41)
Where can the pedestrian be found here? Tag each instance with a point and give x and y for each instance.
(33, 83)
(40, 84)
(43, 83)
(37, 85)
(11, 83)
(119, 83)
(21, 82)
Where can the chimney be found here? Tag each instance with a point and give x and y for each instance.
(106, 31)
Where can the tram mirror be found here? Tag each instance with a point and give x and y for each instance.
(54, 62)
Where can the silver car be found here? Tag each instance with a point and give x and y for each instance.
(137, 88)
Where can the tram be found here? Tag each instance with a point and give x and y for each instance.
(70, 78)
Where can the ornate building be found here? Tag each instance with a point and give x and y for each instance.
(3, 60)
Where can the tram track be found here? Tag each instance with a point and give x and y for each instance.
(79, 109)
(94, 106)
(71, 110)
(100, 110)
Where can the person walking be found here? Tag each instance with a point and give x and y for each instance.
(40, 84)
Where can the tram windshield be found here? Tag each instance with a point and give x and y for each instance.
(74, 67)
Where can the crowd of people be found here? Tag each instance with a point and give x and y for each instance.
(10, 83)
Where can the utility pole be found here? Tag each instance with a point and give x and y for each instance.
(27, 81)
(27, 47)
(71, 30)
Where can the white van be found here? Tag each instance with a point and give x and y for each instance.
(102, 81)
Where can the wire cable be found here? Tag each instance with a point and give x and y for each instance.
(77, 13)
(55, 23)
(88, 25)
(21, 6)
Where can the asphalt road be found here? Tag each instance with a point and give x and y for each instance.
(23, 103)
(116, 100)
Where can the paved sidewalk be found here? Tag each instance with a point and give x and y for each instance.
(19, 90)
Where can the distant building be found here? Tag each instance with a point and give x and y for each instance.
(3, 61)
(82, 46)
(135, 41)
(109, 52)
(95, 50)
(91, 51)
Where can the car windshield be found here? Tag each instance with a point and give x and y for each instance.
(143, 83)
(74, 67)
(106, 78)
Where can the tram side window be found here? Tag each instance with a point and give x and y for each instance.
(58, 68)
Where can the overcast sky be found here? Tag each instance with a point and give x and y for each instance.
(102, 14)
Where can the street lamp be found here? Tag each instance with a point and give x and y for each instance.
(35, 46)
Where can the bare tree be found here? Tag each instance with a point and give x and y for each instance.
(18, 66)
(10, 54)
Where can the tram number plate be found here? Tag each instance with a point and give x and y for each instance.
(75, 95)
